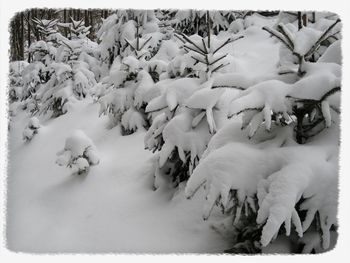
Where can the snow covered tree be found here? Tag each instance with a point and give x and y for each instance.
(192, 22)
(37, 74)
(132, 70)
(186, 111)
(46, 27)
(31, 129)
(301, 43)
(79, 153)
(279, 173)
(206, 55)
(16, 80)
(71, 79)
(78, 29)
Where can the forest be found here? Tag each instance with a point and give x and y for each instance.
(173, 131)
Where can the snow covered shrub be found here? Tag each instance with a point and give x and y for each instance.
(36, 73)
(274, 180)
(120, 29)
(203, 54)
(302, 43)
(79, 153)
(133, 71)
(68, 83)
(31, 129)
(46, 27)
(71, 77)
(192, 22)
(16, 80)
(185, 115)
(77, 29)
(184, 109)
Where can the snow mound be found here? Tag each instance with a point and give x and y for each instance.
(78, 153)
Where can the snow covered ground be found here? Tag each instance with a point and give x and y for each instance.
(112, 209)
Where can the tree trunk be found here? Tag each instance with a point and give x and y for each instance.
(28, 35)
(208, 29)
(65, 21)
(21, 39)
(300, 23)
(304, 20)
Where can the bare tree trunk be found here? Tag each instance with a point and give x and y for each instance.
(65, 21)
(21, 39)
(35, 15)
(300, 25)
(208, 28)
(28, 35)
(86, 17)
(304, 17)
(92, 32)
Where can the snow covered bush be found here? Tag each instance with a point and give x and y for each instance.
(302, 43)
(16, 80)
(31, 129)
(79, 153)
(46, 27)
(185, 115)
(69, 76)
(195, 21)
(184, 109)
(281, 177)
(133, 71)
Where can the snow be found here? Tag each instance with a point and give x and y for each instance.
(304, 39)
(332, 54)
(68, 213)
(31, 129)
(175, 93)
(77, 143)
(252, 120)
(279, 177)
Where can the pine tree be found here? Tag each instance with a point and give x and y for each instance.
(278, 174)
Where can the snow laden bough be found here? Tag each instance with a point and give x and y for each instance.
(303, 43)
(185, 116)
(293, 186)
(79, 153)
(132, 72)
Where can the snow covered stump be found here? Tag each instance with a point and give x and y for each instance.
(79, 153)
(31, 129)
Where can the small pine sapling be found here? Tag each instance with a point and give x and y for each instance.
(79, 153)
(205, 55)
(302, 43)
(31, 129)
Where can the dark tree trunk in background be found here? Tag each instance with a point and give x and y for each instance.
(28, 34)
(300, 23)
(86, 17)
(65, 21)
(21, 37)
(304, 20)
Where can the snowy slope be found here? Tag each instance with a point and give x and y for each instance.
(112, 209)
